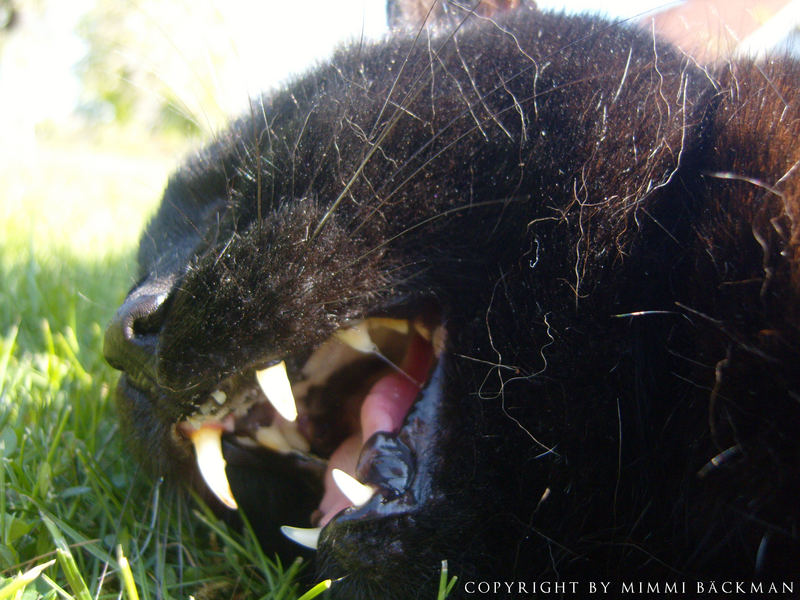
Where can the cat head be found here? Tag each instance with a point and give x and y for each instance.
(467, 271)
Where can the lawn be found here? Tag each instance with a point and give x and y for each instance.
(71, 215)
(77, 520)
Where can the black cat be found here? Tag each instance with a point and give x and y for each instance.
(534, 282)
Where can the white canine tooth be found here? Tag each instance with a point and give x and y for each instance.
(352, 488)
(357, 337)
(207, 442)
(305, 537)
(219, 397)
(275, 384)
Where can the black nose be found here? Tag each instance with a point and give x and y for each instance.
(131, 338)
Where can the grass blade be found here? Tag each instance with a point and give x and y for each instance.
(19, 582)
(67, 562)
(57, 588)
(445, 586)
(73, 574)
(7, 350)
(321, 587)
(129, 586)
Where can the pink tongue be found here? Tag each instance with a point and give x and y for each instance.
(386, 404)
(390, 399)
(384, 409)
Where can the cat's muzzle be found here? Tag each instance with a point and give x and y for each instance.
(358, 414)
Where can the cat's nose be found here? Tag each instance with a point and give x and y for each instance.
(131, 338)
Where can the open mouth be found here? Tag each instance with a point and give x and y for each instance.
(345, 410)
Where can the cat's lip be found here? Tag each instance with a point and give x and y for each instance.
(384, 462)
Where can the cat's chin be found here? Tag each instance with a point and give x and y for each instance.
(360, 416)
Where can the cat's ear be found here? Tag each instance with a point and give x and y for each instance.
(414, 14)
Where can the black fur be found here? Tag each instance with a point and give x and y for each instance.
(612, 236)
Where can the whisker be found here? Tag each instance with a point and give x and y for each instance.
(402, 68)
(515, 104)
(257, 142)
(393, 120)
(426, 221)
(453, 143)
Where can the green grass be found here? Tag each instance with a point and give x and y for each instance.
(77, 520)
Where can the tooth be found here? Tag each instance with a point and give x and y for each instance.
(195, 421)
(438, 340)
(398, 325)
(305, 537)
(422, 329)
(219, 397)
(357, 337)
(246, 441)
(208, 450)
(292, 436)
(356, 492)
(272, 438)
(276, 387)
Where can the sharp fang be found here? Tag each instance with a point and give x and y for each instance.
(275, 384)
(357, 337)
(305, 537)
(219, 397)
(208, 450)
(356, 492)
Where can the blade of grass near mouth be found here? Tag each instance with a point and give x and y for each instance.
(321, 587)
